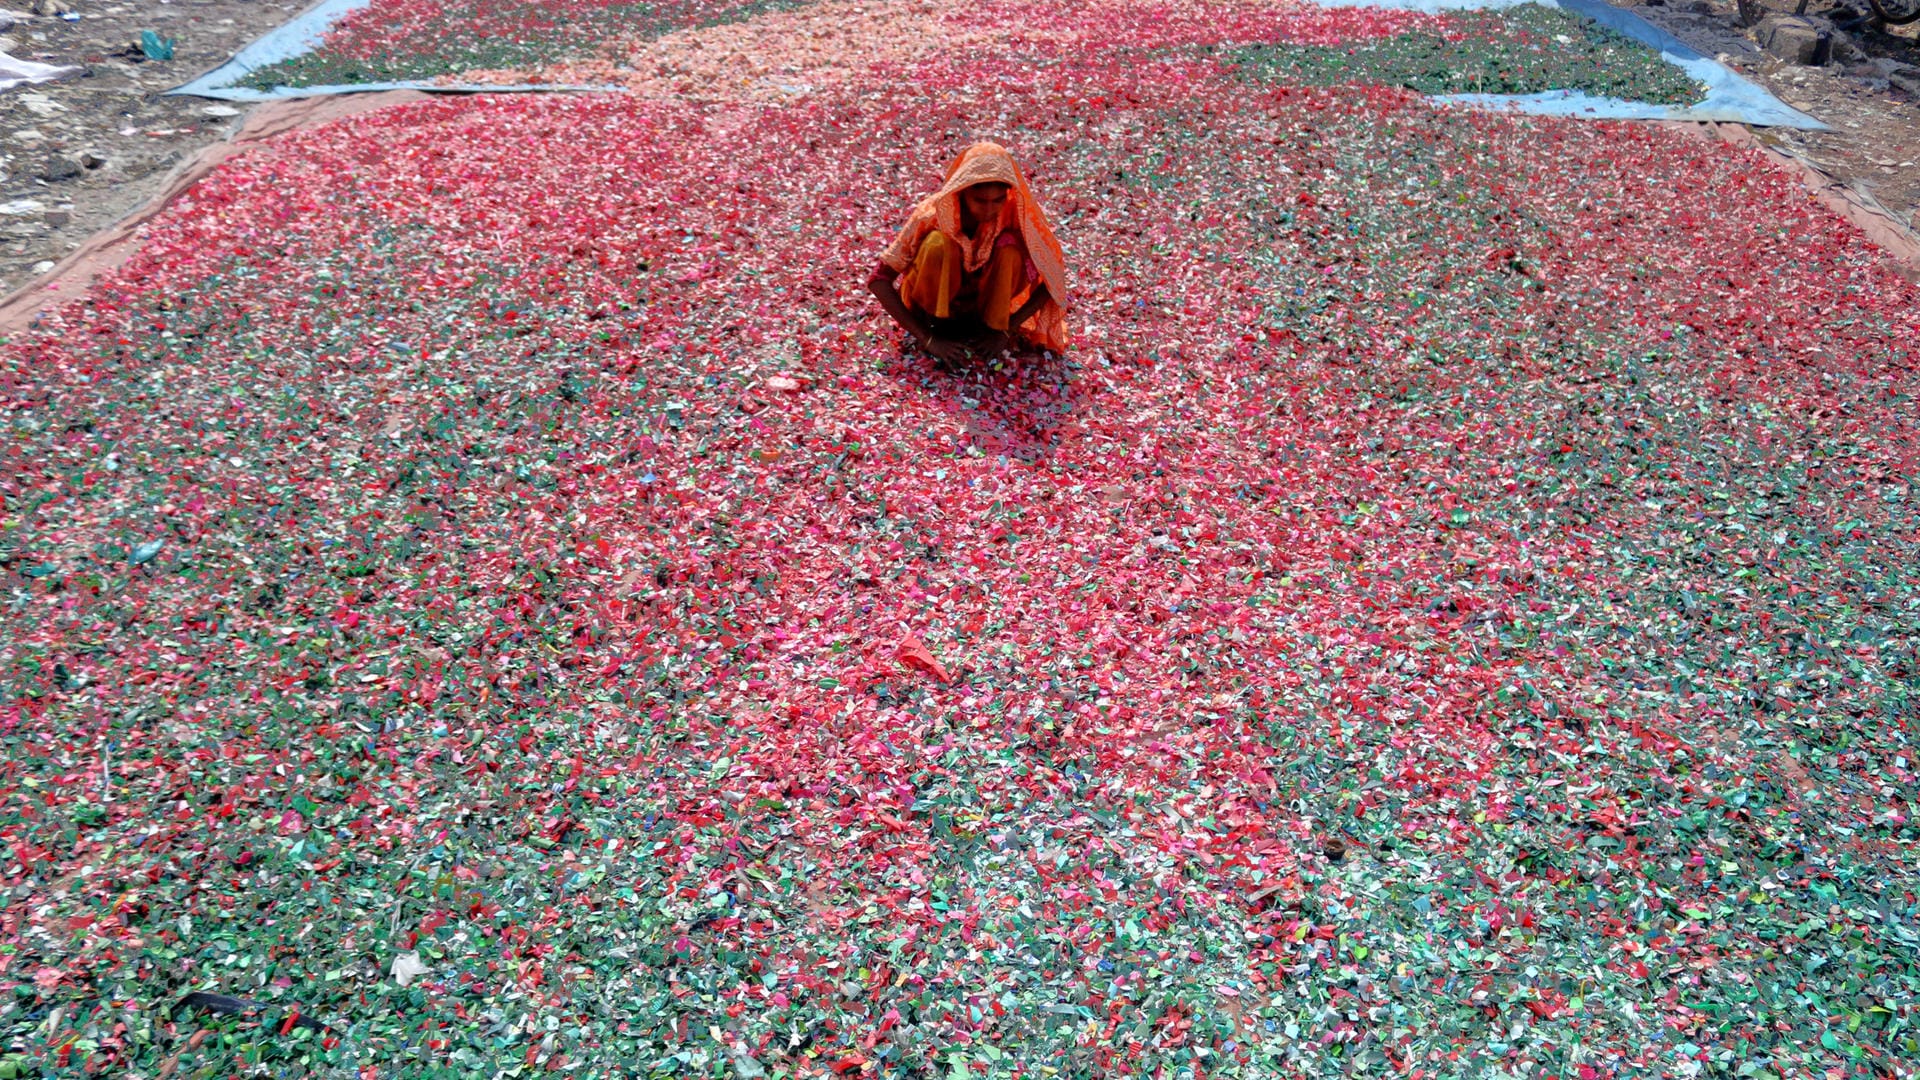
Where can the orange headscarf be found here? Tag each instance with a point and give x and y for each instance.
(989, 163)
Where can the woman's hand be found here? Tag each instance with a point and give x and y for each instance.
(949, 352)
(993, 344)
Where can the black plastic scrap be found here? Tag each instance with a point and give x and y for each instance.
(223, 1005)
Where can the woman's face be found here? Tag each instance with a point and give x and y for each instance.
(983, 202)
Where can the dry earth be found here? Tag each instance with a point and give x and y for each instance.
(1874, 146)
(78, 155)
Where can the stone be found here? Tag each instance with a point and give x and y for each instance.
(57, 218)
(60, 168)
(1700, 7)
(220, 111)
(1797, 39)
(1906, 80)
(40, 104)
(91, 160)
(1845, 50)
(48, 9)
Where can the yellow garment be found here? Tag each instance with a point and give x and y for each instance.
(939, 215)
(939, 285)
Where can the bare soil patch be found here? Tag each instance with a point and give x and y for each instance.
(79, 154)
(1874, 147)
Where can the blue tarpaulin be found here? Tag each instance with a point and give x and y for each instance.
(301, 36)
(1729, 98)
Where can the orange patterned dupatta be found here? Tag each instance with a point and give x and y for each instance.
(982, 163)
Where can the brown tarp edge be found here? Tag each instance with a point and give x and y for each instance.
(1891, 235)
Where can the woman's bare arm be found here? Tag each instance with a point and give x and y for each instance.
(1030, 308)
(884, 284)
(996, 342)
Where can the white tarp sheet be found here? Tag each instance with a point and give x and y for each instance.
(15, 72)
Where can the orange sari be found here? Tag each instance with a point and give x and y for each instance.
(939, 213)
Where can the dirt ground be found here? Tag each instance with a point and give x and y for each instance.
(1874, 146)
(79, 154)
